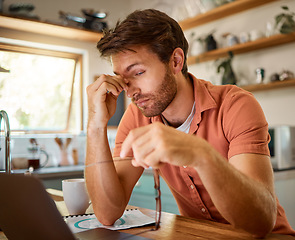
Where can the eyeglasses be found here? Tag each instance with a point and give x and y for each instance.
(158, 199)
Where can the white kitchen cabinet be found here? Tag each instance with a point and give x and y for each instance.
(285, 190)
(143, 194)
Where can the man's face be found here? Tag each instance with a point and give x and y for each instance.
(151, 84)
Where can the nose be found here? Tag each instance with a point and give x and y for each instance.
(131, 92)
(132, 89)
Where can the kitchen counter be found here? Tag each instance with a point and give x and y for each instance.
(78, 170)
(284, 174)
(52, 177)
(62, 171)
(54, 172)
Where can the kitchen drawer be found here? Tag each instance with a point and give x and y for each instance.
(148, 201)
(143, 195)
(145, 185)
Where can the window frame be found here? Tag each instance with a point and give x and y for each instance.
(77, 57)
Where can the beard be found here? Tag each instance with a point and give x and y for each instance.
(160, 99)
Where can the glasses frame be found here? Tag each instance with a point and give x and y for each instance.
(158, 199)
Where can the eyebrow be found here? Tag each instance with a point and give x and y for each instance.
(128, 68)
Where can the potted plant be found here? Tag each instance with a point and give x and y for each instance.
(228, 76)
(285, 22)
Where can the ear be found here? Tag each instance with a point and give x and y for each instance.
(177, 60)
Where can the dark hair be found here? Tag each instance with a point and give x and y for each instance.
(151, 28)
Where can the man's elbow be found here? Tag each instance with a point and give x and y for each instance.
(263, 231)
(257, 225)
(106, 219)
(107, 222)
(263, 227)
(107, 215)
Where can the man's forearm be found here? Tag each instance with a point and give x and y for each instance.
(104, 188)
(244, 202)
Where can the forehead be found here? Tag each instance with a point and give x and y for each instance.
(139, 55)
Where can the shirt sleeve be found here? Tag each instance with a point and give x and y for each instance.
(245, 125)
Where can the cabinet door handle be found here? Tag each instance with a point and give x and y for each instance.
(138, 184)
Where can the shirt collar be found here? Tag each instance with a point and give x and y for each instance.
(203, 99)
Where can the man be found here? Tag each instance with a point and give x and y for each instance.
(210, 143)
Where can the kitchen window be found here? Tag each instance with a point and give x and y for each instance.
(42, 90)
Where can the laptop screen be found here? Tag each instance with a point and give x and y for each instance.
(28, 212)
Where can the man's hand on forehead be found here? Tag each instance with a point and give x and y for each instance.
(112, 84)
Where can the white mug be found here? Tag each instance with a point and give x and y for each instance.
(75, 195)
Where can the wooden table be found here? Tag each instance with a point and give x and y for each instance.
(178, 227)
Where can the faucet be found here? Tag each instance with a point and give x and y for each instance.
(4, 115)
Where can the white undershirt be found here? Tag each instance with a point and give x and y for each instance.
(187, 124)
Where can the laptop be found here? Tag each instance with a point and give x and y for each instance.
(28, 212)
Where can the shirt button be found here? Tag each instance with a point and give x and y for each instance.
(203, 210)
(192, 186)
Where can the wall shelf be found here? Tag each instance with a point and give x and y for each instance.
(243, 48)
(269, 86)
(221, 12)
(266, 42)
(33, 26)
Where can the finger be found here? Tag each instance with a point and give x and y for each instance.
(137, 164)
(142, 147)
(131, 137)
(121, 81)
(117, 81)
(114, 80)
(154, 159)
(97, 83)
(107, 88)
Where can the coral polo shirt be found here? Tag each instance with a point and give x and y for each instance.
(232, 121)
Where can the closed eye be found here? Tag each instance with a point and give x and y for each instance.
(139, 73)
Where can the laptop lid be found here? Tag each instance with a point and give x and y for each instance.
(28, 212)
